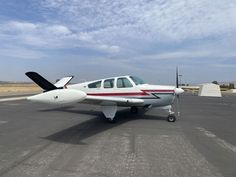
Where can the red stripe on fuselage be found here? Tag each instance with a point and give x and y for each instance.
(159, 91)
(120, 94)
(143, 93)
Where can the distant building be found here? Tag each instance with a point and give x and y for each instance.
(231, 91)
(209, 89)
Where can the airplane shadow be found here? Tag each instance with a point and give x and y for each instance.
(77, 133)
(85, 112)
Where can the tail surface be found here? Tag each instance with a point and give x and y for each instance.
(41, 81)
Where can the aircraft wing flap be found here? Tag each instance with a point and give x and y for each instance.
(118, 100)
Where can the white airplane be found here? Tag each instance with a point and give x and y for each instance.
(109, 93)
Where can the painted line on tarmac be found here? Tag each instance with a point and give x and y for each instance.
(3, 122)
(219, 141)
(13, 99)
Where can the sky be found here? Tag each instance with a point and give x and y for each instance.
(93, 39)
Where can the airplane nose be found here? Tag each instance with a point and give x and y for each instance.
(178, 91)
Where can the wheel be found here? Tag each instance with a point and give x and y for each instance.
(171, 118)
(112, 120)
(134, 110)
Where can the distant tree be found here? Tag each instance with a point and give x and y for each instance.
(231, 85)
(215, 82)
(224, 86)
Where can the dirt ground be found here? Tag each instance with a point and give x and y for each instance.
(19, 88)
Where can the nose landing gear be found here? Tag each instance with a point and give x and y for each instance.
(171, 118)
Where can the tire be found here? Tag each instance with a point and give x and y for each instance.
(112, 121)
(134, 110)
(171, 118)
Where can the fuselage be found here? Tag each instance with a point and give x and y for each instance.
(129, 87)
(109, 93)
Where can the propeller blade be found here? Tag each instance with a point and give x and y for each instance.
(177, 78)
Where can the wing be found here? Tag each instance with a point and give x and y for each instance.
(111, 100)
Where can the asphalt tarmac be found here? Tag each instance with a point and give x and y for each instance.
(38, 140)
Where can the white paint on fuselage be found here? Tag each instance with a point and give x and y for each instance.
(165, 98)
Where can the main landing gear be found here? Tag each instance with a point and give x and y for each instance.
(112, 120)
(110, 111)
(134, 110)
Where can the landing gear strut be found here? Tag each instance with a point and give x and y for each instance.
(112, 120)
(171, 117)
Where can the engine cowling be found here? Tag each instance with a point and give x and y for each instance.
(59, 97)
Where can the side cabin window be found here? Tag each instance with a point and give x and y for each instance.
(109, 83)
(95, 84)
(123, 83)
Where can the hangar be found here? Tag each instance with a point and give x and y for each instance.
(209, 89)
(232, 91)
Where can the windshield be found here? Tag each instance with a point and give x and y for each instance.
(137, 80)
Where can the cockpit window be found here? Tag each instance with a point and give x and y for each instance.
(95, 84)
(137, 80)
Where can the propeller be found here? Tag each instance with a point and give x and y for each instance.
(178, 91)
(177, 77)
